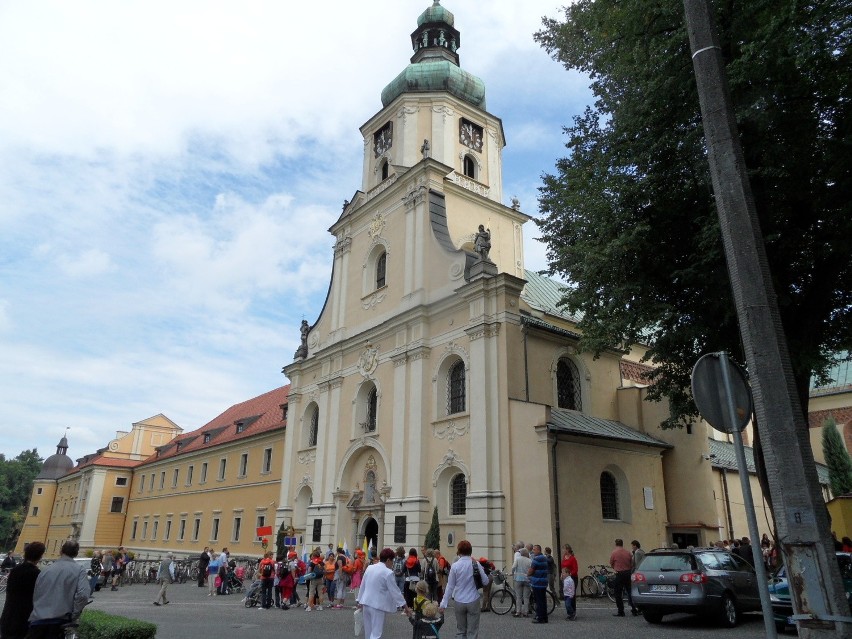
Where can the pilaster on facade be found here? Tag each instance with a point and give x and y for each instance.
(485, 524)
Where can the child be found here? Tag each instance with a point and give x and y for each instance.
(570, 592)
(426, 627)
(421, 598)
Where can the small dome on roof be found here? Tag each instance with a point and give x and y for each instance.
(436, 13)
(436, 75)
(57, 465)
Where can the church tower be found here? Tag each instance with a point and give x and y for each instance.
(400, 379)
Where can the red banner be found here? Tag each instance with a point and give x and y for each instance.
(264, 531)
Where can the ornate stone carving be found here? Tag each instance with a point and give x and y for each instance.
(404, 112)
(416, 195)
(307, 457)
(369, 361)
(302, 351)
(371, 463)
(343, 245)
(451, 429)
(372, 300)
(443, 111)
(456, 271)
(376, 226)
(314, 339)
(305, 481)
(383, 186)
(471, 185)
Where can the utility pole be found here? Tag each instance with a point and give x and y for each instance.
(801, 517)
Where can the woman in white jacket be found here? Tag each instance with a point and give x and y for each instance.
(379, 595)
(522, 587)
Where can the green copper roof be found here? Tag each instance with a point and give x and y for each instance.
(436, 13)
(437, 75)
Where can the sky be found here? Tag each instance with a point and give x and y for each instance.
(168, 175)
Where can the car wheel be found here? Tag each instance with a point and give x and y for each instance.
(652, 617)
(730, 616)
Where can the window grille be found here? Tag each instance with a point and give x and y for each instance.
(568, 385)
(458, 495)
(609, 496)
(372, 400)
(312, 435)
(399, 526)
(456, 389)
(381, 269)
(317, 532)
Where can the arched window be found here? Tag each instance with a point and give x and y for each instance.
(568, 385)
(372, 404)
(609, 496)
(385, 169)
(456, 389)
(469, 167)
(458, 495)
(381, 269)
(314, 429)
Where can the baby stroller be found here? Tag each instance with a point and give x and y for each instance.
(253, 594)
(232, 582)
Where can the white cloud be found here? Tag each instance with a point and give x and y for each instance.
(85, 264)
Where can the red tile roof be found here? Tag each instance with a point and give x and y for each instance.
(101, 460)
(261, 414)
(635, 372)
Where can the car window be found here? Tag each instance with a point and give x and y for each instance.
(668, 563)
(727, 562)
(844, 562)
(741, 564)
(710, 560)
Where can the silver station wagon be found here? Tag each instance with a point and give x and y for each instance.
(704, 581)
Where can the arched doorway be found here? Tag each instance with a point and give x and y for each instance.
(371, 533)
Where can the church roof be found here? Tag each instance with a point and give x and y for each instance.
(58, 464)
(544, 294)
(563, 420)
(723, 455)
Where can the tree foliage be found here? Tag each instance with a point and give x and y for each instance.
(629, 218)
(433, 535)
(837, 459)
(16, 485)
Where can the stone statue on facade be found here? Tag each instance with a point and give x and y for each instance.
(516, 204)
(425, 149)
(302, 351)
(482, 243)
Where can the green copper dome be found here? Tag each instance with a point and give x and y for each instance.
(436, 13)
(436, 75)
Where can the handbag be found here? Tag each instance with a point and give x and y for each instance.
(359, 621)
(477, 577)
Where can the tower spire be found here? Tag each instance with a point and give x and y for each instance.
(435, 36)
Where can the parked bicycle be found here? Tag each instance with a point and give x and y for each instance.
(601, 582)
(503, 600)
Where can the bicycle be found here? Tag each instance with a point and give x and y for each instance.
(503, 600)
(596, 584)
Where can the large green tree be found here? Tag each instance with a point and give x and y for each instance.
(16, 484)
(837, 459)
(628, 217)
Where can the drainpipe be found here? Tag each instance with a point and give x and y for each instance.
(727, 503)
(558, 527)
(526, 363)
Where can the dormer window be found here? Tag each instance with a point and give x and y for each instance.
(177, 447)
(206, 438)
(240, 427)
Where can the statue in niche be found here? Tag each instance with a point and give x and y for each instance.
(302, 351)
(442, 41)
(425, 38)
(425, 149)
(482, 243)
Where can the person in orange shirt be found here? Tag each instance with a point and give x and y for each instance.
(621, 562)
(266, 572)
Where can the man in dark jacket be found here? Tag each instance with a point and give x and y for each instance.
(203, 562)
(538, 577)
(14, 622)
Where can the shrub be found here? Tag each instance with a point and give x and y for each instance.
(95, 624)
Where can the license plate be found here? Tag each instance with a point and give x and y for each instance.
(663, 588)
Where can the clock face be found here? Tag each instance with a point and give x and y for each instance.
(383, 140)
(470, 135)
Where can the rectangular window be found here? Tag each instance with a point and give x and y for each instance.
(117, 505)
(35, 513)
(154, 530)
(243, 464)
(238, 523)
(151, 488)
(168, 530)
(175, 478)
(196, 527)
(214, 533)
(181, 529)
(261, 521)
(141, 483)
(162, 479)
(222, 465)
(399, 524)
(204, 472)
(317, 536)
(121, 481)
(267, 460)
(39, 491)
(133, 531)
(189, 475)
(144, 529)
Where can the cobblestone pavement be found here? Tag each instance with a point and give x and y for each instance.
(191, 614)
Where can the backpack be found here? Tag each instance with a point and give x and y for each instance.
(399, 566)
(319, 569)
(266, 571)
(301, 568)
(431, 575)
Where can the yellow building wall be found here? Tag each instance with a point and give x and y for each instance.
(840, 509)
(110, 525)
(39, 514)
(248, 497)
